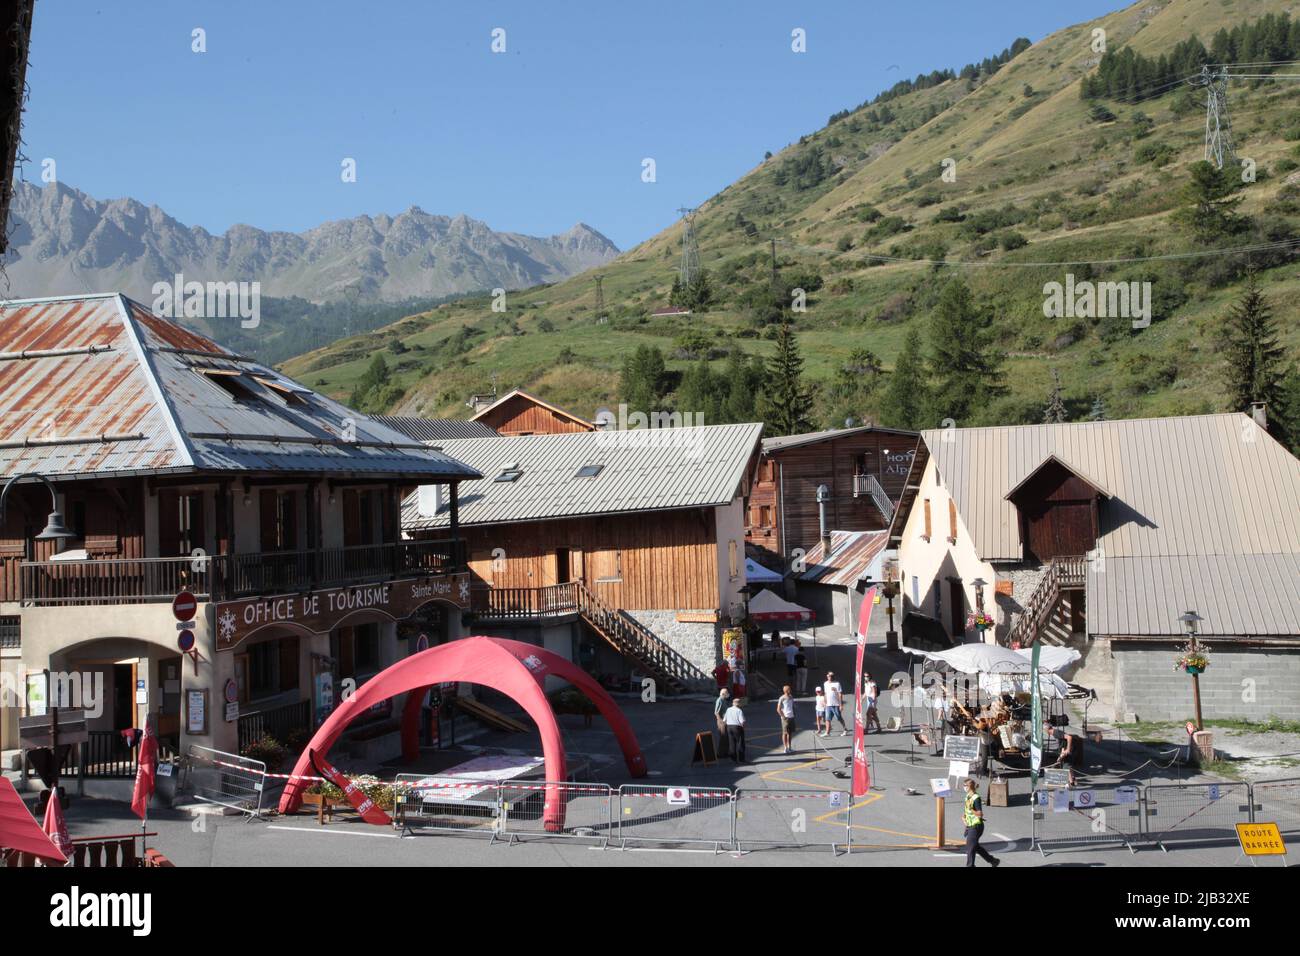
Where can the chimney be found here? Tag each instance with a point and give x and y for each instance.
(823, 496)
(1259, 412)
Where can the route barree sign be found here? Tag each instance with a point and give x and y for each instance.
(322, 610)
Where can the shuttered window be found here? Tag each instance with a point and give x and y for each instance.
(927, 520)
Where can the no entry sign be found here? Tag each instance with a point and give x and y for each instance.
(184, 606)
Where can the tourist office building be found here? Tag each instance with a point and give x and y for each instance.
(176, 466)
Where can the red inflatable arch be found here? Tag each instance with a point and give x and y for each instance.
(511, 667)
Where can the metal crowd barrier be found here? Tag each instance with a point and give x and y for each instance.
(1195, 812)
(793, 818)
(654, 814)
(1090, 816)
(431, 802)
(588, 810)
(225, 779)
(1277, 801)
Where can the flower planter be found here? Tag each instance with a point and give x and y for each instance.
(1195, 670)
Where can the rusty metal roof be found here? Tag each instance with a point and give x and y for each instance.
(852, 556)
(96, 385)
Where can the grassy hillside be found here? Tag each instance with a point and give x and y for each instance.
(1042, 176)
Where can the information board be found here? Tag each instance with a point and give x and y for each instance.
(961, 748)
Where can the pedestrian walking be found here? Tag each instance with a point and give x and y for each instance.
(973, 816)
(872, 693)
(791, 660)
(719, 708)
(734, 718)
(738, 682)
(834, 704)
(800, 669)
(785, 711)
(821, 711)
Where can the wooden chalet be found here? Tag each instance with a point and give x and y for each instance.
(863, 468)
(614, 548)
(181, 466)
(519, 413)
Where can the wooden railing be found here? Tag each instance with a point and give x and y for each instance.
(519, 603)
(227, 576)
(103, 852)
(623, 632)
(1062, 574)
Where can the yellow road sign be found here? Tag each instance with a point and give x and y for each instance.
(1260, 839)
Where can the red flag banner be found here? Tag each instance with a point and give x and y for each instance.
(146, 775)
(861, 773)
(356, 796)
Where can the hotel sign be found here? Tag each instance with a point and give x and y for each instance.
(323, 610)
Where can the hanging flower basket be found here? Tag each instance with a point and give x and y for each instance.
(1194, 659)
(979, 620)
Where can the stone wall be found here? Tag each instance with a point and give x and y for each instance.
(1253, 683)
(699, 643)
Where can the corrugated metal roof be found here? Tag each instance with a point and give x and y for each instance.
(642, 470)
(1238, 595)
(1205, 514)
(96, 385)
(780, 442)
(851, 557)
(1205, 484)
(436, 429)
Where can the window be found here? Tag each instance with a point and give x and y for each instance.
(589, 471)
(231, 382)
(952, 521)
(926, 535)
(509, 474)
(732, 559)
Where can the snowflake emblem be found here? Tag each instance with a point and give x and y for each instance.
(464, 589)
(226, 625)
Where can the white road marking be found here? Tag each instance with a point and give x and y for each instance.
(652, 849)
(382, 836)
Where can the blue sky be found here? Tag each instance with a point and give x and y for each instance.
(549, 133)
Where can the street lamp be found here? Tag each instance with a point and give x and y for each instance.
(55, 529)
(1191, 620)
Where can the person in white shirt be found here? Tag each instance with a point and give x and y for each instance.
(790, 666)
(872, 693)
(734, 719)
(834, 704)
(785, 711)
(821, 710)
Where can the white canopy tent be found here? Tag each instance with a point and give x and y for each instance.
(755, 573)
(1003, 670)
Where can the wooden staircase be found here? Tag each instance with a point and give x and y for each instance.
(636, 641)
(1063, 574)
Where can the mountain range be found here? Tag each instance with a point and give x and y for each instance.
(63, 240)
(1033, 166)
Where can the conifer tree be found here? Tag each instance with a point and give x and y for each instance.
(788, 402)
(905, 399)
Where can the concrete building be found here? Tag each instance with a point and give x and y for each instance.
(1101, 535)
(182, 467)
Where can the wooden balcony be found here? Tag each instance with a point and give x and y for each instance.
(230, 576)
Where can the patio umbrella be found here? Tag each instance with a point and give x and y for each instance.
(56, 825)
(995, 659)
(19, 830)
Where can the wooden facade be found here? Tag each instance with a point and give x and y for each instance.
(1059, 513)
(782, 510)
(519, 413)
(664, 561)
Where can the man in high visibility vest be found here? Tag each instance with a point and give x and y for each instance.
(973, 817)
